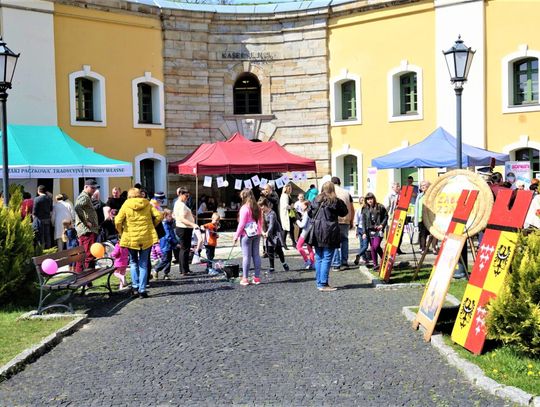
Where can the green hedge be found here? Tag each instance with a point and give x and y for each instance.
(514, 316)
(17, 275)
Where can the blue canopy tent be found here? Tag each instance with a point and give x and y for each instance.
(437, 150)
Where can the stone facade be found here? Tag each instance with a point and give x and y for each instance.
(205, 53)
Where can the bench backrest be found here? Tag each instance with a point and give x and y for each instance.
(62, 258)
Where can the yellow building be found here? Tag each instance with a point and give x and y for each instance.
(110, 92)
(389, 84)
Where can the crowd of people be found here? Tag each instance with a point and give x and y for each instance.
(147, 236)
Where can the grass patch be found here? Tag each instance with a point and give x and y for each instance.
(457, 288)
(506, 366)
(16, 336)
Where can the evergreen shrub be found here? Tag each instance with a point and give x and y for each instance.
(514, 316)
(17, 275)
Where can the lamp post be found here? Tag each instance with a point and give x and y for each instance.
(458, 60)
(8, 62)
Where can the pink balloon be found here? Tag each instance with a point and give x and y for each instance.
(49, 266)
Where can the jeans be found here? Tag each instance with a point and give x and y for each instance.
(138, 265)
(341, 255)
(165, 263)
(250, 250)
(323, 258)
(364, 243)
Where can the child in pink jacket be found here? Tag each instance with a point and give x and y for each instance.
(121, 261)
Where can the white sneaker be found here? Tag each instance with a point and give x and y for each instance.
(154, 274)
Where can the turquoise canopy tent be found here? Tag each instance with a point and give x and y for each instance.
(48, 152)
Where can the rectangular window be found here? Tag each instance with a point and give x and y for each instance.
(526, 81)
(84, 99)
(144, 92)
(348, 101)
(408, 94)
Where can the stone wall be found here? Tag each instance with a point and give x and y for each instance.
(204, 53)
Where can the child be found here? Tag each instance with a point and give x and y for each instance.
(305, 225)
(211, 242)
(361, 257)
(167, 244)
(121, 261)
(273, 235)
(70, 238)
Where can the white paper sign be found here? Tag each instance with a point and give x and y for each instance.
(207, 182)
(256, 181)
(295, 176)
(238, 184)
(247, 184)
(285, 179)
(220, 182)
(263, 183)
(303, 176)
(279, 183)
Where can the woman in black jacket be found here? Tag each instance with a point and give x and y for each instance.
(375, 218)
(325, 238)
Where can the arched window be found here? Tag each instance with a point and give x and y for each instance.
(350, 173)
(247, 95)
(526, 81)
(148, 102)
(87, 105)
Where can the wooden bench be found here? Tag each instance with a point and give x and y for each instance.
(68, 280)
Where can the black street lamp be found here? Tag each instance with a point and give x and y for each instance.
(458, 60)
(8, 62)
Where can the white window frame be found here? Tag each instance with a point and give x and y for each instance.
(158, 102)
(98, 98)
(508, 80)
(335, 99)
(160, 176)
(338, 167)
(394, 97)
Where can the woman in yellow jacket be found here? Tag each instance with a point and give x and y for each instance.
(136, 223)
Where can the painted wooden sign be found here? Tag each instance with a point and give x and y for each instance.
(490, 268)
(443, 269)
(437, 286)
(443, 195)
(395, 232)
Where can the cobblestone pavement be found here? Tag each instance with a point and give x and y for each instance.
(204, 341)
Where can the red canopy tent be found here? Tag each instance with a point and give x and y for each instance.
(239, 155)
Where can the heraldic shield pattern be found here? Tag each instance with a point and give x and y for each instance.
(395, 232)
(492, 262)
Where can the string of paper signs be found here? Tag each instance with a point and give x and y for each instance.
(255, 181)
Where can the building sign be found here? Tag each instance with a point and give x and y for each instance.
(249, 56)
(120, 170)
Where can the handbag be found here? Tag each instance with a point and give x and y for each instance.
(160, 230)
(251, 229)
(310, 235)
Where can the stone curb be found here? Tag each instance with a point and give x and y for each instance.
(473, 373)
(378, 284)
(29, 355)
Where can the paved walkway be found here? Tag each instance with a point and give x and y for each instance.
(203, 341)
